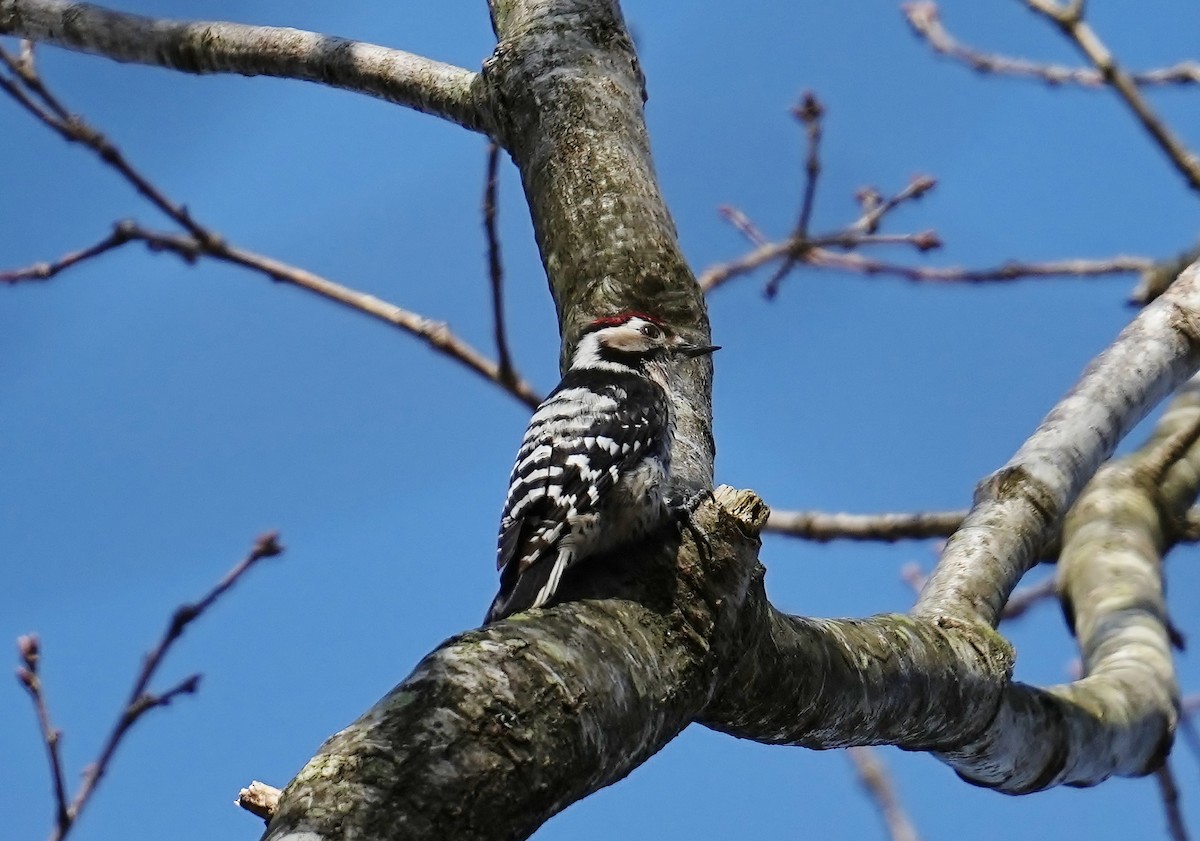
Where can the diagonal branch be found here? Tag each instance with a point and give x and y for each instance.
(140, 700)
(1031, 493)
(926, 22)
(436, 334)
(1069, 20)
(873, 776)
(203, 241)
(432, 87)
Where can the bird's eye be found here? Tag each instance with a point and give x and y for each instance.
(652, 331)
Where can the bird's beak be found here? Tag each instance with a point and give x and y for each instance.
(690, 350)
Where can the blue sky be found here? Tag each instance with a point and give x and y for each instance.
(157, 417)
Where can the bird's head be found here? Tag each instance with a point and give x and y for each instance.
(632, 340)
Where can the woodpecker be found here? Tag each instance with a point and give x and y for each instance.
(594, 468)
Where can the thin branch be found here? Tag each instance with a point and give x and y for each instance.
(1187, 726)
(809, 113)
(742, 223)
(876, 207)
(1169, 792)
(873, 776)
(202, 241)
(1069, 20)
(432, 87)
(1004, 273)
(925, 20)
(505, 372)
(436, 334)
(30, 650)
(889, 528)
(140, 700)
(46, 270)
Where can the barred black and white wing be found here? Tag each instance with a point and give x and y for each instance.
(590, 434)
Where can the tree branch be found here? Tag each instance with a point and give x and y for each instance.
(140, 700)
(460, 749)
(875, 780)
(432, 87)
(1019, 506)
(495, 265)
(1069, 20)
(889, 528)
(201, 241)
(926, 22)
(1169, 792)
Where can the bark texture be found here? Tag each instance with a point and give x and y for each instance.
(217, 47)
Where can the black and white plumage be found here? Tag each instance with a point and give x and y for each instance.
(593, 471)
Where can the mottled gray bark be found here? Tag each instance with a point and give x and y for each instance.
(217, 47)
(502, 727)
(1018, 506)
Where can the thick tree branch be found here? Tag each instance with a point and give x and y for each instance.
(877, 681)
(1018, 507)
(1110, 578)
(443, 90)
(500, 728)
(573, 93)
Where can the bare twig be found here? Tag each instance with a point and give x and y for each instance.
(833, 250)
(823, 527)
(74, 130)
(505, 372)
(202, 241)
(30, 650)
(873, 776)
(1169, 793)
(1069, 20)
(742, 223)
(1006, 272)
(436, 334)
(140, 700)
(925, 20)
(259, 799)
(809, 113)
(45, 271)
(1188, 707)
(877, 207)
(25, 68)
